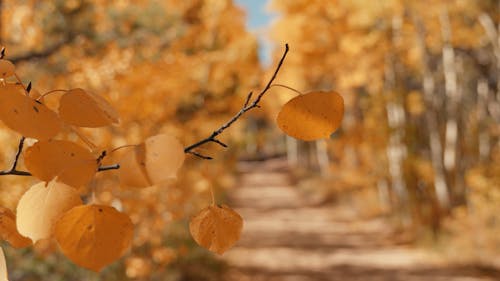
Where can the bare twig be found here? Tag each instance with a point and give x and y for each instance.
(13, 170)
(109, 167)
(200, 155)
(43, 53)
(246, 107)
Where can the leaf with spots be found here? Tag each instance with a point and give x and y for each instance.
(93, 236)
(216, 228)
(71, 163)
(41, 206)
(7, 68)
(312, 116)
(8, 230)
(80, 108)
(25, 115)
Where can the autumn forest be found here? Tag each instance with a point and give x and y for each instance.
(150, 140)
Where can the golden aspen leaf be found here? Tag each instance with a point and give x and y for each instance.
(164, 156)
(25, 115)
(216, 228)
(71, 163)
(41, 206)
(8, 230)
(7, 68)
(132, 170)
(312, 116)
(93, 236)
(155, 161)
(79, 108)
(3, 267)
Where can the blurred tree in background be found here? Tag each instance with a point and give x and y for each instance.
(421, 85)
(420, 138)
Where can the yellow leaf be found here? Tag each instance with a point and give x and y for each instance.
(164, 156)
(132, 170)
(155, 161)
(71, 163)
(93, 236)
(79, 108)
(312, 116)
(216, 228)
(25, 115)
(41, 206)
(8, 230)
(7, 68)
(3, 267)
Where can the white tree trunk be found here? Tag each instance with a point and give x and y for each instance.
(453, 95)
(440, 184)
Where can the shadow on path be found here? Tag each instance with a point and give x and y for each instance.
(285, 239)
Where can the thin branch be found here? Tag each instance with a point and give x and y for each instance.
(13, 170)
(219, 142)
(200, 155)
(246, 107)
(109, 167)
(44, 53)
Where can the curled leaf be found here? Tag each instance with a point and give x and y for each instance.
(71, 163)
(8, 230)
(93, 236)
(41, 206)
(155, 161)
(25, 115)
(132, 170)
(216, 228)
(312, 116)
(7, 68)
(79, 108)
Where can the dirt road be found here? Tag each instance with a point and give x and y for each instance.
(287, 239)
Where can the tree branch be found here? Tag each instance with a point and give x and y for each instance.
(43, 53)
(13, 170)
(247, 106)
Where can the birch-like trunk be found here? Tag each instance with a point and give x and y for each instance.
(322, 157)
(483, 135)
(396, 149)
(431, 118)
(453, 96)
(292, 151)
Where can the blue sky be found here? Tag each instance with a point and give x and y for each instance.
(258, 21)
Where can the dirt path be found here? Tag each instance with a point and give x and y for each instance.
(286, 239)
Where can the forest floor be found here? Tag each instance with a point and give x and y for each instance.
(285, 238)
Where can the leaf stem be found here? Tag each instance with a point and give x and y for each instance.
(286, 87)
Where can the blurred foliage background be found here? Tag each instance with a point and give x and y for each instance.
(419, 142)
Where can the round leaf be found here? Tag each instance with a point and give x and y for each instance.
(40, 207)
(7, 68)
(216, 228)
(71, 163)
(164, 156)
(79, 108)
(8, 230)
(93, 236)
(25, 115)
(312, 116)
